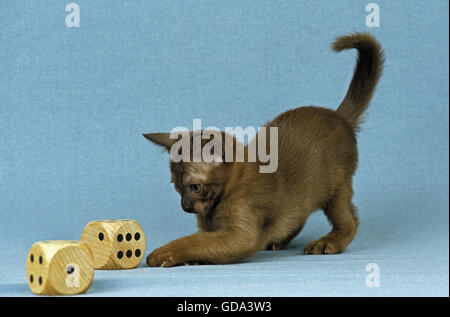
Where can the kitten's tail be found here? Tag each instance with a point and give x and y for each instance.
(368, 70)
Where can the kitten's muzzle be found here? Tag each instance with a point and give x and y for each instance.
(187, 206)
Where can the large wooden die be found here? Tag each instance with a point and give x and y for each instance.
(116, 243)
(59, 267)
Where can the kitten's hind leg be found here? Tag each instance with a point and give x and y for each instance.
(342, 215)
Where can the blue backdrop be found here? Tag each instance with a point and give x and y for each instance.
(74, 102)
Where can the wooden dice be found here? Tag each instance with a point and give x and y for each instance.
(61, 267)
(116, 244)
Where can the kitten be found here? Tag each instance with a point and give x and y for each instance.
(241, 211)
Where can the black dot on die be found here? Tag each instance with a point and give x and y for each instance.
(31, 278)
(129, 254)
(137, 253)
(32, 258)
(120, 254)
(40, 280)
(40, 259)
(137, 236)
(101, 236)
(128, 236)
(70, 269)
(120, 237)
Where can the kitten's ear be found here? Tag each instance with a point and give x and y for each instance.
(161, 139)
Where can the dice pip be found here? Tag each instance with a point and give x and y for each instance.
(59, 267)
(116, 243)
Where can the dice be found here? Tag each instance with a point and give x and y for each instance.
(60, 267)
(116, 243)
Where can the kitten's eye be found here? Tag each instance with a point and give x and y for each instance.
(196, 188)
(177, 188)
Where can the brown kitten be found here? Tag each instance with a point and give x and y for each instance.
(241, 211)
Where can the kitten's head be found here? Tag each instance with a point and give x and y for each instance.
(200, 184)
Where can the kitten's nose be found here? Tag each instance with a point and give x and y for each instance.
(186, 206)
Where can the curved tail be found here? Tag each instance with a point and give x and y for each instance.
(368, 70)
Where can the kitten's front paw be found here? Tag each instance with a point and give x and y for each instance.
(166, 256)
(322, 246)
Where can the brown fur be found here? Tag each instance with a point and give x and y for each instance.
(241, 211)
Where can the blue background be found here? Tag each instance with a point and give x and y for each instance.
(74, 102)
